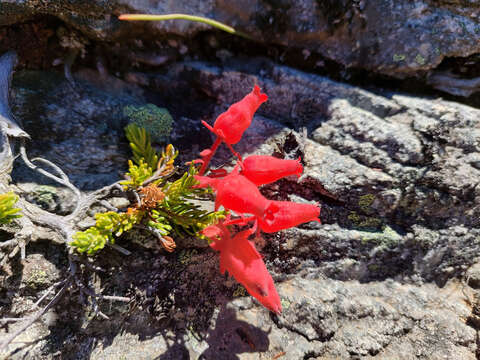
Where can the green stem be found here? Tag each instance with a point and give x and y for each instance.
(214, 23)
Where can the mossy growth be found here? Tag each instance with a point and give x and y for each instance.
(365, 201)
(363, 222)
(420, 60)
(156, 121)
(240, 291)
(45, 196)
(37, 279)
(387, 237)
(364, 219)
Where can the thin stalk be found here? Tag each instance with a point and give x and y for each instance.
(201, 19)
(207, 158)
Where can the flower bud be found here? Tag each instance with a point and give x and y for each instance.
(168, 243)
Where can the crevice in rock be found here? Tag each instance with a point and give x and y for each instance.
(312, 355)
(214, 46)
(274, 318)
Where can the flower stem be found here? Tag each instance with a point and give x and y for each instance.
(214, 23)
(207, 158)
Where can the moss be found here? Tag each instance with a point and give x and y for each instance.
(240, 291)
(363, 222)
(37, 279)
(185, 256)
(387, 237)
(157, 121)
(354, 218)
(420, 59)
(365, 201)
(373, 267)
(45, 196)
(285, 303)
(398, 57)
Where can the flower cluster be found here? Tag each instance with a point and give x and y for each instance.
(238, 191)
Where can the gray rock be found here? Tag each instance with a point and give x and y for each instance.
(473, 276)
(398, 38)
(396, 176)
(415, 157)
(80, 129)
(326, 319)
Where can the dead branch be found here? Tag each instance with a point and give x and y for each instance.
(38, 315)
(65, 226)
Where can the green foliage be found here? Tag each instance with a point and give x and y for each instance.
(7, 210)
(186, 217)
(136, 175)
(156, 121)
(141, 146)
(165, 206)
(107, 226)
(165, 165)
(159, 222)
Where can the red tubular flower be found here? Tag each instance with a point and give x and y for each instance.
(242, 261)
(261, 169)
(235, 192)
(280, 215)
(231, 124)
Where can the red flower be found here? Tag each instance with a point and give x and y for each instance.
(261, 169)
(242, 261)
(231, 124)
(280, 215)
(235, 192)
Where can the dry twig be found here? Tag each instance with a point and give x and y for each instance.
(63, 225)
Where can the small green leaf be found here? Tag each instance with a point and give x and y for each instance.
(141, 146)
(7, 210)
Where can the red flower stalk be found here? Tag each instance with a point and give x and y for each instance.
(280, 215)
(261, 169)
(230, 125)
(235, 192)
(239, 192)
(242, 261)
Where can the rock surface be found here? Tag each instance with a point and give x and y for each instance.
(396, 176)
(398, 38)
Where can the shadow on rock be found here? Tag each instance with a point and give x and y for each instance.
(232, 336)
